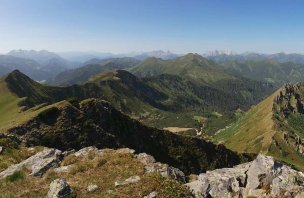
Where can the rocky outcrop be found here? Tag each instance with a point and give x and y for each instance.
(1, 149)
(59, 188)
(263, 177)
(164, 169)
(37, 164)
(295, 141)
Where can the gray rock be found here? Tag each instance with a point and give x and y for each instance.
(67, 153)
(85, 151)
(92, 187)
(166, 171)
(125, 150)
(225, 182)
(1, 149)
(62, 169)
(151, 195)
(130, 180)
(261, 172)
(38, 164)
(145, 158)
(263, 177)
(59, 188)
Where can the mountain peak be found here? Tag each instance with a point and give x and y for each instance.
(17, 74)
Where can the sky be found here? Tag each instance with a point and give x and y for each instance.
(181, 26)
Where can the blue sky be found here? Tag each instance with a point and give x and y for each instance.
(181, 26)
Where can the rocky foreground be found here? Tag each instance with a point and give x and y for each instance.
(92, 172)
(89, 172)
(263, 177)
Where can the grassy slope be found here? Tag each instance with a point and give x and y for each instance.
(11, 113)
(256, 132)
(101, 169)
(253, 132)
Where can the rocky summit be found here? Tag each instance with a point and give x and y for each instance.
(263, 177)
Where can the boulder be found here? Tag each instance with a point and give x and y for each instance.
(59, 188)
(226, 182)
(130, 180)
(92, 187)
(1, 149)
(37, 164)
(85, 151)
(263, 177)
(165, 170)
(145, 158)
(151, 195)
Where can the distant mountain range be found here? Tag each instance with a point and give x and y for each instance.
(40, 65)
(251, 56)
(85, 56)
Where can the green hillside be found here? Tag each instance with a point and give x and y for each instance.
(12, 111)
(273, 127)
(190, 66)
(160, 101)
(267, 71)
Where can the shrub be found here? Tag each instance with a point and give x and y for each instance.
(16, 176)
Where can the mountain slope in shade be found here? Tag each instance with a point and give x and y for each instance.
(274, 127)
(95, 122)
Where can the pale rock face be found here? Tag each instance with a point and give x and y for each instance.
(62, 169)
(151, 195)
(125, 150)
(1, 149)
(85, 151)
(38, 164)
(130, 180)
(59, 188)
(263, 177)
